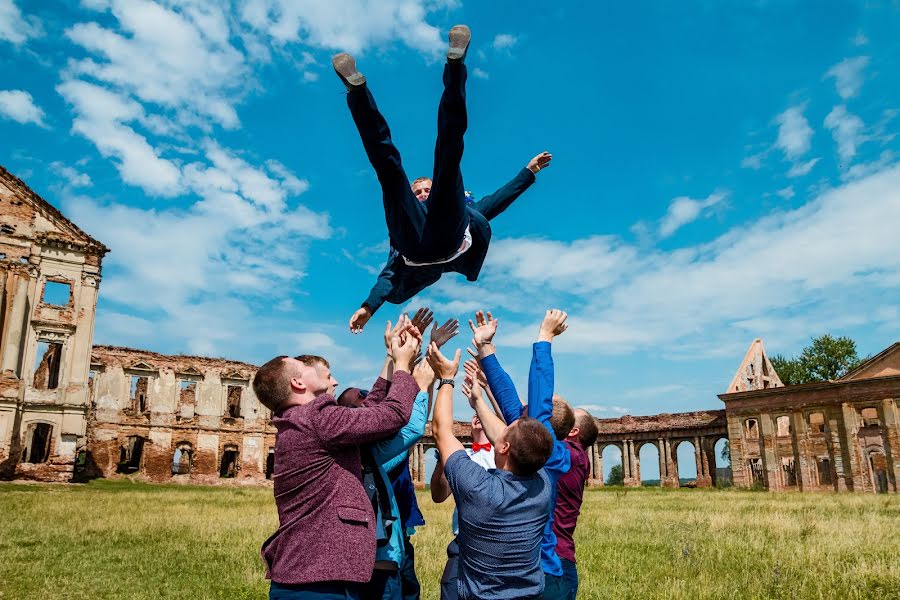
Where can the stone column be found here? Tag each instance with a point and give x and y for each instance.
(892, 440)
(805, 461)
(771, 460)
(15, 331)
(632, 478)
(626, 467)
(662, 462)
(598, 466)
(856, 470)
(421, 480)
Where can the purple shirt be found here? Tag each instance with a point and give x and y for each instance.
(569, 496)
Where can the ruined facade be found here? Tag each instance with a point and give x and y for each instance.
(49, 275)
(829, 436)
(69, 409)
(176, 418)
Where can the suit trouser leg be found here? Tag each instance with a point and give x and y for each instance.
(447, 219)
(411, 587)
(404, 214)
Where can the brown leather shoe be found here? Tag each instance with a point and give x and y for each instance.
(460, 36)
(345, 67)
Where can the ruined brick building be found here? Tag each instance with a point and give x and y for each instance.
(69, 409)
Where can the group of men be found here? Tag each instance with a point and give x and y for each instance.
(346, 502)
(345, 498)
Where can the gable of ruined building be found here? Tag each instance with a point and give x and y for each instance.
(756, 371)
(883, 364)
(25, 217)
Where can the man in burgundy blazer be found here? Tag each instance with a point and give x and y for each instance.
(325, 543)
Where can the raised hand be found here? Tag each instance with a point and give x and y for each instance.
(484, 332)
(359, 319)
(423, 374)
(553, 325)
(474, 372)
(472, 390)
(443, 334)
(404, 348)
(443, 367)
(541, 161)
(390, 332)
(423, 318)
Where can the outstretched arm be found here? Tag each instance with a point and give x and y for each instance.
(496, 203)
(498, 380)
(540, 386)
(493, 426)
(387, 281)
(442, 423)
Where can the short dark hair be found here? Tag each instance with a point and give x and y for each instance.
(530, 445)
(562, 419)
(587, 428)
(352, 397)
(271, 384)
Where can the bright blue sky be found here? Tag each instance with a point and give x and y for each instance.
(721, 172)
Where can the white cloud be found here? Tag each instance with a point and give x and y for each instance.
(602, 410)
(684, 210)
(848, 75)
(101, 117)
(504, 41)
(754, 161)
(802, 168)
(349, 25)
(310, 76)
(786, 193)
(794, 132)
(19, 106)
(847, 130)
(179, 59)
(15, 28)
(480, 73)
(785, 277)
(73, 177)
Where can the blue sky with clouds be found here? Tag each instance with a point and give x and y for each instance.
(722, 171)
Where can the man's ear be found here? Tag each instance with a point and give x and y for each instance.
(297, 385)
(574, 432)
(502, 448)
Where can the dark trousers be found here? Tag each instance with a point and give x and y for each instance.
(327, 590)
(408, 580)
(384, 585)
(449, 590)
(432, 230)
(570, 573)
(555, 587)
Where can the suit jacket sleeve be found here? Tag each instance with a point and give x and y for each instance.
(540, 403)
(339, 426)
(496, 203)
(388, 280)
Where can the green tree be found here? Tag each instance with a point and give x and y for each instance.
(616, 476)
(825, 358)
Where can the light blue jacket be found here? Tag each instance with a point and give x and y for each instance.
(388, 454)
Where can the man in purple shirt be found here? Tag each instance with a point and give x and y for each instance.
(324, 547)
(570, 494)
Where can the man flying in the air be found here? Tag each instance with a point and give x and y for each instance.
(432, 229)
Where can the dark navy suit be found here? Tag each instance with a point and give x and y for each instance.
(432, 230)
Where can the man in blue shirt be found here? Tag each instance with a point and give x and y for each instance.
(540, 400)
(502, 511)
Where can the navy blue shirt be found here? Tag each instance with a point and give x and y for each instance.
(501, 524)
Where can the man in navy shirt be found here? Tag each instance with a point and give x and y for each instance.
(541, 400)
(432, 228)
(502, 511)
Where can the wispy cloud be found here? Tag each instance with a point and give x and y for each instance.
(684, 210)
(19, 106)
(794, 133)
(72, 176)
(800, 169)
(848, 75)
(504, 41)
(848, 131)
(480, 73)
(14, 27)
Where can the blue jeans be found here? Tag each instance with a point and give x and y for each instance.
(384, 585)
(409, 581)
(555, 587)
(430, 230)
(326, 590)
(570, 573)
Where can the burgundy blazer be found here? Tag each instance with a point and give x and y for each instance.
(326, 524)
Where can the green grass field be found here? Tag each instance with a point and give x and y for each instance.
(129, 540)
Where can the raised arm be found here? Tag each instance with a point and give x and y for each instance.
(392, 451)
(496, 203)
(540, 386)
(342, 426)
(442, 423)
(387, 281)
(440, 487)
(493, 426)
(498, 380)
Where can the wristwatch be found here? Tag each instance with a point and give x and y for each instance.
(450, 382)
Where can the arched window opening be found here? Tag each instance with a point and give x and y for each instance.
(816, 423)
(228, 468)
(37, 443)
(783, 426)
(182, 459)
